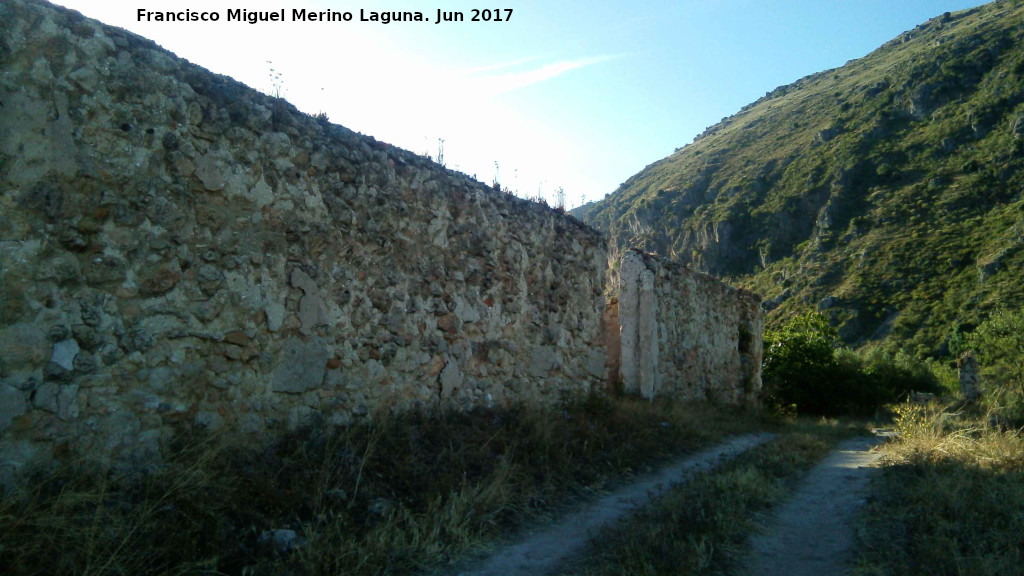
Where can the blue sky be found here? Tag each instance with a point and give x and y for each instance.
(578, 95)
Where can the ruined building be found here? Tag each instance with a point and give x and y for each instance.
(178, 249)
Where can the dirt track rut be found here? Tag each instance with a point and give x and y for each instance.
(542, 551)
(812, 534)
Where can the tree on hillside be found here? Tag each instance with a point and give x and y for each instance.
(804, 368)
(998, 343)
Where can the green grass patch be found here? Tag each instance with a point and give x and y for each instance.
(950, 500)
(403, 493)
(700, 527)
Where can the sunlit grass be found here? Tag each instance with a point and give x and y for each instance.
(951, 499)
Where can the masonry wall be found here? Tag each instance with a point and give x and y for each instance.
(177, 249)
(686, 335)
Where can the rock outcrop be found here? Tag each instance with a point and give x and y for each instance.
(969, 377)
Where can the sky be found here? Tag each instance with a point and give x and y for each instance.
(572, 95)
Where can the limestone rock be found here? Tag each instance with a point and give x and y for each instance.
(206, 310)
(275, 316)
(61, 269)
(157, 280)
(162, 378)
(312, 308)
(301, 366)
(451, 379)
(238, 338)
(211, 173)
(542, 361)
(23, 347)
(57, 399)
(64, 353)
(105, 269)
(12, 405)
(466, 312)
(86, 78)
(312, 313)
(261, 194)
(970, 377)
(210, 279)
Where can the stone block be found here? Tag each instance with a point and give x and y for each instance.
(301, 366)
(275, 313)
(57, 399)
(451, 379)
(210, 172)
(12, 405)
(64, 353)
(542, 361)
(23, 347)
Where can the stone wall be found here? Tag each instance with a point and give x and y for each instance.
(178, 249)
(686, 335)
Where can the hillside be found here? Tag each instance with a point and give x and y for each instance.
(886, 193)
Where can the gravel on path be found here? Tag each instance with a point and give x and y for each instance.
(812, 534)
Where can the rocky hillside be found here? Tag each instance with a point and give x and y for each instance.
(886, 193)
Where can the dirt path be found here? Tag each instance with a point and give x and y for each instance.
(812, 535)
(540, 552)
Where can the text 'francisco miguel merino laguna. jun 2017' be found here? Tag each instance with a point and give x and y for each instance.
(303, 15)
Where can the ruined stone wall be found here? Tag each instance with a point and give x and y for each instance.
(686, 335)
(176, 248)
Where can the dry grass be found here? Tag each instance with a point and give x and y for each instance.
(404, 493)
(951, 500)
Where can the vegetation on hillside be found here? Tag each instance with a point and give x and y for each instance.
(805, 370)
(887, 194)
(998, 344)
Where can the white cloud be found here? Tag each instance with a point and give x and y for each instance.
(501, 83)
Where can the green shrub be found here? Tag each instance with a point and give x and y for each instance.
(998, 343)
(893, 376)
(804, 368)
(800, 364)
